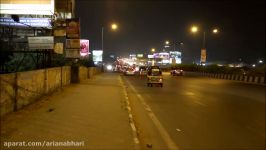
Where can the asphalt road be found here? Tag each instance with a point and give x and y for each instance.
(202, 113)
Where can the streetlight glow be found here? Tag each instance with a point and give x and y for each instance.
(114, 26)
(215, 31)
(194, 29)
(153, 49)
(167, 42)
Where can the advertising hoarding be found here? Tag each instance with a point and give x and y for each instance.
(150, 56)
(73, 28)
(139, 55)
(59, 48)
(72, 43)
(59, 32)
(175, 57)
(97, 55)
(84, 47)
(30, 7)
(203, 56)
(41, 42)
(26, 22)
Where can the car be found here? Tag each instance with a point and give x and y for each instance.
(129, 71)
(143, 70)
(177, 72)
(154, 76)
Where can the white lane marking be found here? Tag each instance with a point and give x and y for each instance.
(190, 93)
(133, 127)
(178, 130)
(131, 120)
(136, 140)
(197, 102)
(167, 139)
(128, 108)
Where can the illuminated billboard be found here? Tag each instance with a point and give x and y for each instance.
(203, 55)
(97, 55)
(32, 7)
(26, 22)
(150, 56)
(175, 57)
(139, 55)
(84, 47)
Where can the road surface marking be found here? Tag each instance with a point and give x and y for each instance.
(133, 127)
(128, 108)
(167, 139)
(178, 130)
(130, 116)
(190, 93)
(136, 140)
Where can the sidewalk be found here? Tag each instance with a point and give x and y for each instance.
(89, 115)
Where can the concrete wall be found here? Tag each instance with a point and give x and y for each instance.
(22, 88)
(30, 86)
(7, 93)
(83, 73)
(88, 73)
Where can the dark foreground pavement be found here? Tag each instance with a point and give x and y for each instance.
(90, 115)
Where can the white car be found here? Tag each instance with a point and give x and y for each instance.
(129, 71)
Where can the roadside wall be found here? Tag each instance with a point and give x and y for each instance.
(22, 88)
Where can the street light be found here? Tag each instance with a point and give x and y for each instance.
(114, 27)
(153, 50)
(194, 29)
(215, 31)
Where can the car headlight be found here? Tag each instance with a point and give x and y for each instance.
(109, 67)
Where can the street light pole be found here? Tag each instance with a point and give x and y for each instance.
(204, 40)
(102, 37)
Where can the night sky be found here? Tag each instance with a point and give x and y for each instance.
(146, 24)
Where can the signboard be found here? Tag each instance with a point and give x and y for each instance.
(41, 42)
(84, 47)
(72, 43)
(150, 56)
(139, 55)
(97, 55)
(203, 56)
(29, 7)
(72, 53)
(164, 55)
(59, 32)
(72, 28)
(59, 48)
(26, 22)
(175, 57)
(156, 55)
